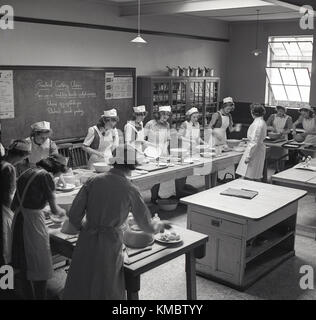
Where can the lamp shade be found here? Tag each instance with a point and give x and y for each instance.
(139, 40)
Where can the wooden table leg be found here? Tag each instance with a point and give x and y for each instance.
(190, 275)
(211, 180)
(132, 285)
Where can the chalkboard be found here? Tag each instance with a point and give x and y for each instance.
(70, 98)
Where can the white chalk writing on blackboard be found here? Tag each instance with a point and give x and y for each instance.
(62, 96)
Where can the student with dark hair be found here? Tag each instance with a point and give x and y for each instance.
(102, 138)
(31, 249)
(18, 150)
(97, 271)
(252, 162)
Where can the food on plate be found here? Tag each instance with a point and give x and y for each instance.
(169, 236)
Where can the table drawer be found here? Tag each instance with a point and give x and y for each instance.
(216, 223)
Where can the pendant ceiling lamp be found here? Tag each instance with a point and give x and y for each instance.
(139, 40)
(257, 51)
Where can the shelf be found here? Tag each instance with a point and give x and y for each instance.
(260, 270)
(257, 251)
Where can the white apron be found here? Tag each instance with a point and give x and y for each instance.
(39, 152)
(257, 132)
(276, 152)
(160, 139)
(36, 240)
(309, 125)
(193, 134)
(219, 134)
(105, 145)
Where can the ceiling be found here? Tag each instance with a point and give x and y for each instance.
(227, 10)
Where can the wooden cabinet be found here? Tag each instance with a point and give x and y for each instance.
(181, 93)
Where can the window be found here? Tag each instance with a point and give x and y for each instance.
(288, 71)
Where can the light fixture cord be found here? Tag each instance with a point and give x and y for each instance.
(138, 17)
(257, 29)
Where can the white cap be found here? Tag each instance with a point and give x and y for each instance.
(139, 109)
(228, 100)
(164, 109)
(41, 126)
(191, 111)
(110, 113)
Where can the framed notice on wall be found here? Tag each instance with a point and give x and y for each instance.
(6, 94)
(118, 87)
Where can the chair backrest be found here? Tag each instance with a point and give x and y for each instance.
(78, 158)
(64, 149)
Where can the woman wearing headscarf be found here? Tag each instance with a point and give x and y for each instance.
(282, 124)
(97, 271)
(18, 150)
(157, 132)
(102, 138)
(31, 249)
(252, 161)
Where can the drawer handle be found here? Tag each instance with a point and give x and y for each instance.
(215, 223)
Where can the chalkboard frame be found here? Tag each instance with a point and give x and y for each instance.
(130, 70)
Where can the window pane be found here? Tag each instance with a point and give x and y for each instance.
(306, 48)
(305, 93)
(302, 77)
(292, 49)
(288, 76)
(274, 76)
(278, 92)
(293, 93)
(278, 49)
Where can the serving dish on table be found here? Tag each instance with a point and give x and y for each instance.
(67, 188)
(231, 143)
(101, 167)
(168, 237)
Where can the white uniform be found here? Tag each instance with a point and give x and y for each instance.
(256, 151)
(42, 151)
(309, 125)
(107, 142)
(190, 132)
(159, 135)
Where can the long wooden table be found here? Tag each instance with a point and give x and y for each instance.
(193, 246)
(234, 225)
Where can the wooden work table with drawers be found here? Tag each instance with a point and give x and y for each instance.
(247, 238)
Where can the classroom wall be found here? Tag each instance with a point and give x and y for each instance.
(245, 74)
(38, 44)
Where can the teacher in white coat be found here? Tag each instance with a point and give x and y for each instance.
(252, 162)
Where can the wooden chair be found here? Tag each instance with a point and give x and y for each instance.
(78, 158)
(64, 149)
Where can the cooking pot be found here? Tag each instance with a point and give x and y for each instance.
(201, 72)
(194, 72)
(209, 72)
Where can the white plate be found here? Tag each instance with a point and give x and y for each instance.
(152, 152)
(69, 187)
(158, 239)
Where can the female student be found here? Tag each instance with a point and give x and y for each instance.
(190, 137)
(134, 130)
(97, 271)
(221, 121)
(157, 132)
(308, 121)
(18, 150)
(31, 249)
(281, 123)
(102, 138)
(252, 162)
(42, 145)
